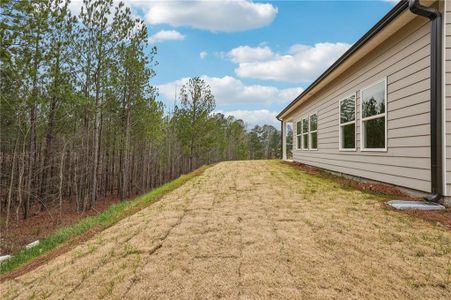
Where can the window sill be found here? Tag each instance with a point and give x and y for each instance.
(373, 149)
(348, 150)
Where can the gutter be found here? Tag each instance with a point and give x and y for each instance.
(390, 16)
(436, 96)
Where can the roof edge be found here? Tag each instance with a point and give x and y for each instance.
(390, 16)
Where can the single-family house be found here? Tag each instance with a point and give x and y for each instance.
(382, 111)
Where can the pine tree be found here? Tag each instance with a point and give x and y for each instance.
(196, 104)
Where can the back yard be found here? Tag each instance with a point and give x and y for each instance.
(253, 229)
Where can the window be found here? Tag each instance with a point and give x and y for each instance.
(373, 121)
(347, 123)
(298, 135)
(305, 134)
(314, 132)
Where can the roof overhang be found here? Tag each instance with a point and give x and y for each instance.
(386, 27)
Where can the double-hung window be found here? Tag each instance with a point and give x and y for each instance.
(347, 123)
(305, 134)
(298, 135)
(313, 120)
(374, 117)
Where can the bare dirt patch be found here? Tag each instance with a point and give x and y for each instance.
(253, 229)
(441, 217)
(49, 256)
(375, 187)
(42, 223)
(386, 191)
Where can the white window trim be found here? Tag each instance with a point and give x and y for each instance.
(363, 149)
(298, 147)
(305, 117)
(310, 132)
(340, 148)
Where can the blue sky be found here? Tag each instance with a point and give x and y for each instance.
(256, 55)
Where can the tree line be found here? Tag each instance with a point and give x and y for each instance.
(80, 120)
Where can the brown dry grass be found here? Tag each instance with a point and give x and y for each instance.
(253, 229)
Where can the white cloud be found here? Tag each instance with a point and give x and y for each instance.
(244, 54)
(219, 15)
(203, 54)
(228, 90)
(76, 5)
(254, 117)
(166, 35)
(302, 63)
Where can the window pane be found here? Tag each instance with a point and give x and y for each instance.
(374, 133)
(347, 110)
(299, 142)
(373, 100)
(298, 127)
(313, 122)
(305, 125)
(348, 136)
(314, 140)
(305, 145)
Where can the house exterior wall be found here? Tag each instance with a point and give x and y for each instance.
(403, 60)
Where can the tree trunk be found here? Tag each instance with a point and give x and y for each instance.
(19, 183)
(126, 158)
(95, 155)
(60, 185)
(11, 183)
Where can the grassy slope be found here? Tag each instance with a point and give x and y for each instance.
(254, 229)
(98, 222)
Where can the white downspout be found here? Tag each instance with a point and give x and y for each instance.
(284, 140)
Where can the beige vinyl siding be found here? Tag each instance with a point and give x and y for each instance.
(447, 80)
(403, 60)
